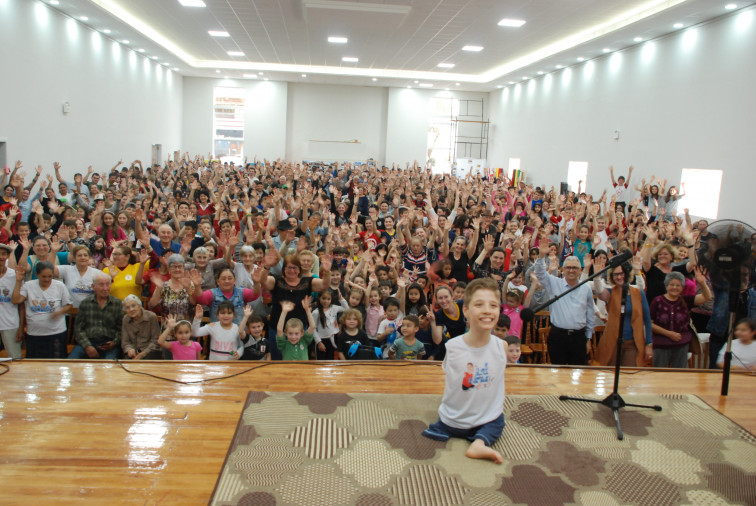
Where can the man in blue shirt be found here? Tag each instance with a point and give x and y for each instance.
(572, 317)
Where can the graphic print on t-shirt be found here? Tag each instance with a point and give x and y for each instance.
(476, 377)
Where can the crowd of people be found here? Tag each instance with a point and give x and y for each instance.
(278, 260)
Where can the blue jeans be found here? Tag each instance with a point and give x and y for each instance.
(488, 432)
(79, 353)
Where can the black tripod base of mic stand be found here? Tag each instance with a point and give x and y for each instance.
(614, 402)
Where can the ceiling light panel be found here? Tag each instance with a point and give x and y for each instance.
(338, 40)
(472, 49)
(192, 3)
(218, 33)
(511, 23)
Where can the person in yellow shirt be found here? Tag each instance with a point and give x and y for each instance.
(124, 270)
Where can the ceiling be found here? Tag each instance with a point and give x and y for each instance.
(398, 42)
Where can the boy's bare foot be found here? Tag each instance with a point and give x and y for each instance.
(478, 450)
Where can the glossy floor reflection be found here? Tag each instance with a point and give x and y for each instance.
(74, 430)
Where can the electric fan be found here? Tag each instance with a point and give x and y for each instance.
(727, 251)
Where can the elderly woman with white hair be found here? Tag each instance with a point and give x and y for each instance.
(140, 331)
(206, 267)
(670, 320)
(173, 295)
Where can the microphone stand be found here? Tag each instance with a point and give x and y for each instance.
(614, 401)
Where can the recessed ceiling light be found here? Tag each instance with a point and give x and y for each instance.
(83, 18)
(192, 3)
(375, 79)
(580, 58)
(730, 7)
(260, 73)
(473, 48)
(525, 78)
(425, 85)
(218, 33)
(677, 25)
(175, 69)
(217, 71)
(456, 84)
(606, 50)
(638, 39)
(54, 2)
(235, 53)
(124, 41)
(155, 58)
(106, 31)
(446, 65)
(499, 86)
(560, 66)
(250, 76)
(416, 82)
(304, 75)
(540, 72)
(511, 82)
(512, 23)
(350, 59)
(338, 40)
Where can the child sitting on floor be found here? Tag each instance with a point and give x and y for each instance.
(471, 407)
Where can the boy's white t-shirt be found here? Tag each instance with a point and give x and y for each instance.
(474, 389)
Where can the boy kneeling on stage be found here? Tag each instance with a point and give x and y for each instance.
(473, 400)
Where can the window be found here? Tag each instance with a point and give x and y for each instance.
(701, 191)
(228, 124)
(441, 134)
(576, 172)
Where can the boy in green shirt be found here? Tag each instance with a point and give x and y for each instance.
(292, 339)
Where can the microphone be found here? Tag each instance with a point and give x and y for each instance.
(620, 259)
(526, 315)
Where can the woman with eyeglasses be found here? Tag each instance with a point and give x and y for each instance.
(637, 343)
(125, 269)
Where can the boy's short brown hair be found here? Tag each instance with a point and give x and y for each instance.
(481, 284)
(412, 318)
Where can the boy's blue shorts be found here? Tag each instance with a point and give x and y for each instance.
(488, 432)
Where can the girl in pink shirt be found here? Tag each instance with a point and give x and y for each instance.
(183, 348)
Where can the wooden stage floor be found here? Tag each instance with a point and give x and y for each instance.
(77, 430)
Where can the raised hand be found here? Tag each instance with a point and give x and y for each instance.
(287, 306)
(199, 311)
(171, 321)
(20, 273)
(144, 256)
(307, 302)
(195, 277)
(248, 310)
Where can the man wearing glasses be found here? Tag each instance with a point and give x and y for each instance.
(572, 317)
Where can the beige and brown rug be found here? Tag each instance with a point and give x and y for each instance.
(366, 449)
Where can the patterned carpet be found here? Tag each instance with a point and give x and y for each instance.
(366, 449)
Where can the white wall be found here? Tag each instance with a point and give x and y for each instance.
(121, 102)
(684, 101)
(323, 119)
(264, 116)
